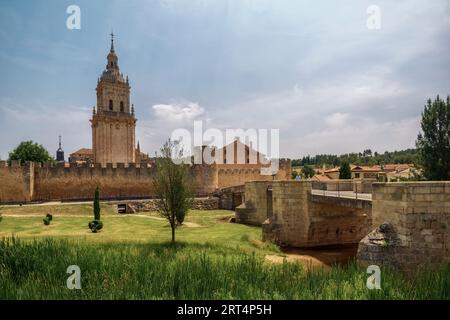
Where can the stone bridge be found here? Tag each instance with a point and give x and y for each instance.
(402, 224)
(293, 215)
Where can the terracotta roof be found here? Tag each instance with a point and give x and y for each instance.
(83, 151)
(320, 177)
(394, 172)
(237, 142)
(366, 168)
(332, 170)
(396, 167)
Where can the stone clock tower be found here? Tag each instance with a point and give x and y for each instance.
(113, 122)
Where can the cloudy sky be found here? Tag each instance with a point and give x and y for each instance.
(312, 69)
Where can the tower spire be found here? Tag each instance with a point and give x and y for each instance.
(112, 41)
(60, 152)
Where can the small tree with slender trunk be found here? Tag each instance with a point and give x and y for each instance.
(172, 186)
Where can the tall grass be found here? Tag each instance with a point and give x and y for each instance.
(37, 270)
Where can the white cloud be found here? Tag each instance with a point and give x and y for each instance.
(178, 112)
(337, 119)
(43, 124)
(363, 133)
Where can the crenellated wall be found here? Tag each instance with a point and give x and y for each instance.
(36, 182)
(79, 182)
(238, 174)
(16, 182)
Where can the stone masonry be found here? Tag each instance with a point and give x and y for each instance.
(411, 223)
(254, 210)
(55, 182)
(292, 216)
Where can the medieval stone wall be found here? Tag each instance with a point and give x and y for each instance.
(238, 174)
(34, 182)
(79, 182)
(411, 222)
(16, 182)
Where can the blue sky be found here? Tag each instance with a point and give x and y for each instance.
(309, 68)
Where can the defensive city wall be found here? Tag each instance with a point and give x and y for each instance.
(45, 182)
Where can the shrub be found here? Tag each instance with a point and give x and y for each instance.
(95, 225)
(49, 217)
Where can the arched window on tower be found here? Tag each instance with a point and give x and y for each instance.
(110, 105)
(121, 106)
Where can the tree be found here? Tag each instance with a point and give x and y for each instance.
(29, 151)
(367, 153)
(172, 186)
(308, 171)
(433, 142)
(96, 225)
(344, 171)
(97, 204)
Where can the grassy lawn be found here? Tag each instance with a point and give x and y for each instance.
(132, 259)
(70, 222)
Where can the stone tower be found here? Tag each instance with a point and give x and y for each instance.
(113, 122)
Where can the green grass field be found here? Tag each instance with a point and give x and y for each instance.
(70, 222)
(132, 259)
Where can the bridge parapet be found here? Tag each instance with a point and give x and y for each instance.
(343, 201)
(411, 225)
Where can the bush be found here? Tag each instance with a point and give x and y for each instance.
(46, 221)
(95, 225)
(49, 217)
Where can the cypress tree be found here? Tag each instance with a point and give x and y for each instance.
(344, 171)
(97, 204)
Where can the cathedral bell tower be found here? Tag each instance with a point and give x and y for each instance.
(113, 122)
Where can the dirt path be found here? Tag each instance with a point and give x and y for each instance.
(317, 257)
